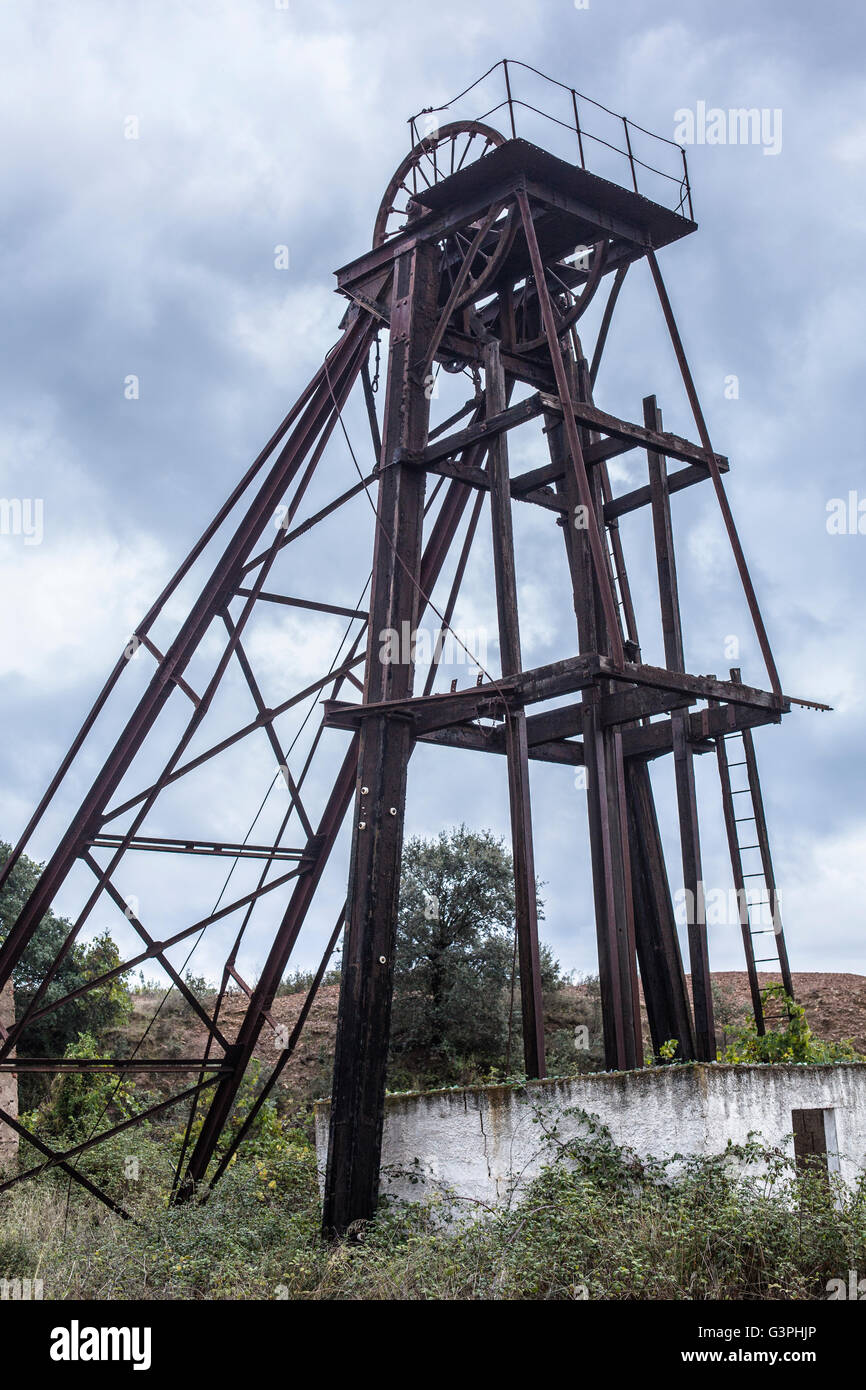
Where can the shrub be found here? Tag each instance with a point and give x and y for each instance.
(793, 1043)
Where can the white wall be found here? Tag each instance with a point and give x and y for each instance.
(481, 1143)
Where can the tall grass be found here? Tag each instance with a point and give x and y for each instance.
(597, 1223)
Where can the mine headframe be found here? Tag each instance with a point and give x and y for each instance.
(488, 251)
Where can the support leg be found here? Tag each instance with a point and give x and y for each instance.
(684, 771)
(605, 788)
(515, 731)
(364, 1018)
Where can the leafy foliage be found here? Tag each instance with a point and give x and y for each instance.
(794, 1043)
(79, 1101)
(599, 1222)
(95, 1012)
(455, 951)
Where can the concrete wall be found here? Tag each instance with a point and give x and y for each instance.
(8, 1085)
(482, 1143)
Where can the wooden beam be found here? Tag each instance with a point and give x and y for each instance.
(496, 424)
(684, 772)
(364, 1017)
(623, 436)
(526, 369)
(641, 436)
(517, 750)
(553, 742)
(476, 477)
(703, 687)
(565, 677)
(491, 739)
(627, 705)
(478, 701)
(653, 740)
(642, 497)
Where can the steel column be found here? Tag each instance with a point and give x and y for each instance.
(602, 751)
(684, 771)
(516, 746)
(364, 1017)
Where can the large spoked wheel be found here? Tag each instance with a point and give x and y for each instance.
(437, 157)
(569, 302)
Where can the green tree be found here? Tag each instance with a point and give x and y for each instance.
(95, 1012)
(455, 950)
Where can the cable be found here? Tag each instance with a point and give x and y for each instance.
(496, 683)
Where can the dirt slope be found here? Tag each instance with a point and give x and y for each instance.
(835, 1007)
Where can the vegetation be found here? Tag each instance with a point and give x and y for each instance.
(598, 1222)
(97, 1012)
(794, 1043)
(456, 977)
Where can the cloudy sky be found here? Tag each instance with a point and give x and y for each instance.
(155, 155)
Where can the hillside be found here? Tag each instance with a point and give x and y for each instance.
(835, 1006)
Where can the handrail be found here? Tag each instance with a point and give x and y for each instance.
(513, 102)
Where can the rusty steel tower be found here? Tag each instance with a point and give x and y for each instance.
(488, 250)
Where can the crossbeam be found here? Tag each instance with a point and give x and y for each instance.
(100, 1065)
(544, 683)
(623, 431)
(645, 742)
(158, 844)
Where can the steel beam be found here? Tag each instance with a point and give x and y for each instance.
(690, 844)
(364, 1017)
(602, 755)
(516, 746)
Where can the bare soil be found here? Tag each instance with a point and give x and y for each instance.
(835, 1007)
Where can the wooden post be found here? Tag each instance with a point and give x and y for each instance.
(516, 747)
(705, 1034)
(655, 928)
(364, 1017)
(658, 947)
(605, 785)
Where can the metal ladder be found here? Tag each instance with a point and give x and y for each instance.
(746, 829)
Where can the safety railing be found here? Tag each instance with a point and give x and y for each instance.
(591, 129)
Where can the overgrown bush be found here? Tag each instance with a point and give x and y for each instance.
(794, 1043)
(599, 1222)
(98, 1011)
